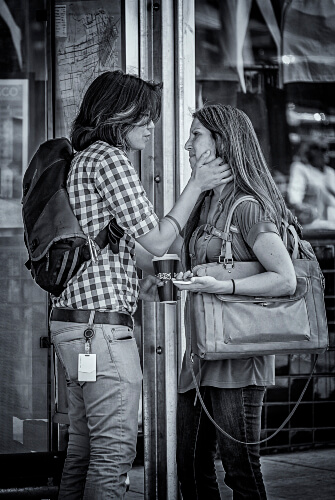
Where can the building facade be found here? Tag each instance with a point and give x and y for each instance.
(271, 58)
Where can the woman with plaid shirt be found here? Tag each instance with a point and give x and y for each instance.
(93, 315)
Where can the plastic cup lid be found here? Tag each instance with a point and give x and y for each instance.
(168, 256)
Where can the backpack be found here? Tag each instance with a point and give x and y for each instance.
(56, 244)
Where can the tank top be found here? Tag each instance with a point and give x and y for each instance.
(249, 220)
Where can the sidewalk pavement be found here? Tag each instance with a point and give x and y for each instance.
(303, 475)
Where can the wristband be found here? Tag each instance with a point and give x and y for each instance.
(233, 282)
(175, 221)
(172, 224)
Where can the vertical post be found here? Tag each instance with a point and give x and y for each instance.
(166, 53)
(148, 308)
(166, 334)
(185, 105)
(185, 88)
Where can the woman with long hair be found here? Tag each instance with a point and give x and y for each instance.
(232, 389)
(92, 320)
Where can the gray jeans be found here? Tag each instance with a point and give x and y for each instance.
(103, 414)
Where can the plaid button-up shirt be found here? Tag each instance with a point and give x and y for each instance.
(102, 184)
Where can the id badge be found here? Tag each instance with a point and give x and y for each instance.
(87, 368)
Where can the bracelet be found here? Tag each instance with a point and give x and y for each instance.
(172, 224)
(168, 216)
(233, 282)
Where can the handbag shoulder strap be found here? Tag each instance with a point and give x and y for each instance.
(226, 257)
(232, 437)
(233, 208)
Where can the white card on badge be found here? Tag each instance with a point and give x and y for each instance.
(87, 367)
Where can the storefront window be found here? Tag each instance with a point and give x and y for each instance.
(49, 55)
(260, 56)
(24, 411)
(275, 61)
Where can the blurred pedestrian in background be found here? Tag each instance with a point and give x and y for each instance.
(311, 187)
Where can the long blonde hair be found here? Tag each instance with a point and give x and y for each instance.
(237, 144)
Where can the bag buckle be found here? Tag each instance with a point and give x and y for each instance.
(218, 233)
(227, 263)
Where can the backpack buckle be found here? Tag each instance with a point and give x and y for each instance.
(92, 249)
(115, 233)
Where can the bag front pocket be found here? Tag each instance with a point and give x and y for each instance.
(236, 326)
(270, 324)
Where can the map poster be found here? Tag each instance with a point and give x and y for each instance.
(88, 43)
(13, 149)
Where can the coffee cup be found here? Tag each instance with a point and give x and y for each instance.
(166, 268)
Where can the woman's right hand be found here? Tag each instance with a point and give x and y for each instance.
(210, 174)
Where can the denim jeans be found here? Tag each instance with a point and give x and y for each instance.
(238, 412)
(103, 414)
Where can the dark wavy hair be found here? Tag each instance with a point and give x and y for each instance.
(113, 104)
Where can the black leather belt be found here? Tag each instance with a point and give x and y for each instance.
(83, 316)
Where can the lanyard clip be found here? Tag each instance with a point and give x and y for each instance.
(88, 334)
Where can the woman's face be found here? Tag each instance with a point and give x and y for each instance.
(200, 140)
(139, 136)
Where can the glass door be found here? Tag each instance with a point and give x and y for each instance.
(259, 57)
(25, 382)
(88, 38)
(24, 411)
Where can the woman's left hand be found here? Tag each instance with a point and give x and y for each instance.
(205, 284)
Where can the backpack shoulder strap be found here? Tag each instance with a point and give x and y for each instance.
(110, 234)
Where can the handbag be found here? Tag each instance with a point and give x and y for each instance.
(239, 326)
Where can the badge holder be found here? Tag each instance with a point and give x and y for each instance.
(87, 363)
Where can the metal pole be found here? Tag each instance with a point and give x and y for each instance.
(167, 51)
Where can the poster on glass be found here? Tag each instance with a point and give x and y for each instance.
(13, 149)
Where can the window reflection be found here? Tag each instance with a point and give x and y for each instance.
(311, 186)
(24, 403)
(88, 43)
(258, 55)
